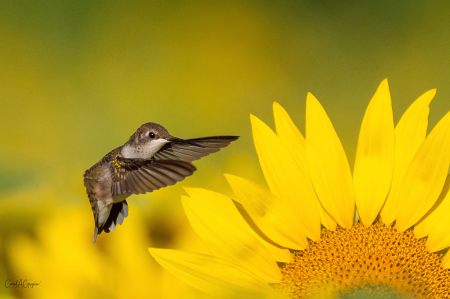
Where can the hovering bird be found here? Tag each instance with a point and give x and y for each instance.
(151, 159)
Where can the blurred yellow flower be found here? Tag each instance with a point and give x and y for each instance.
(391, 245)
(60, 256)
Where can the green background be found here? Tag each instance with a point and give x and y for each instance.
(78, 77)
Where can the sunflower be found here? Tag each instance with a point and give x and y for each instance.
(319, 231)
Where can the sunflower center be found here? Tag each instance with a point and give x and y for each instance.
(366, 262)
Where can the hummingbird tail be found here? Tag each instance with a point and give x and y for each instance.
(119, 211)
(95, 233)
(115, 213)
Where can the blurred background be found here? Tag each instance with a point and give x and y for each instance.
(78, 77)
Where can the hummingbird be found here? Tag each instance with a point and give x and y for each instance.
(151, 159)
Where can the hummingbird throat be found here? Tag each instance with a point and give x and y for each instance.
(143, 151)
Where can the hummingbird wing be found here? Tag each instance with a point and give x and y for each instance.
(139, 176)
(189, 152)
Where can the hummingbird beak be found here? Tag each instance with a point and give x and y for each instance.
(175, 139)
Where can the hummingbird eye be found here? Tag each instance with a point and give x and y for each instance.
(151, 134)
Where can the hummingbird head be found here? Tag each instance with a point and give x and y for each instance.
(148, 133)
(148, 140)
(152, 132)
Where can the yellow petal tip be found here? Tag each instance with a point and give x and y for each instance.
(428, 96)
(311, 97)
(256, 122)
(254, 119)
(228, 176)
(384, 86)
(186, 189)
(312, 103)
(193, 191)
(431, 93)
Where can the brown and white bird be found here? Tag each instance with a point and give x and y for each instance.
(151, 159)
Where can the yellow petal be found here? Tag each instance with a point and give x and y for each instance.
(326, 219)
(374, 163)
(439, 238)
(438, 224)
(425, 176)
(446, 261)
(328, 165)
(294, 141)
(270, 213)
(291, 136)
(410, 133)
(285, 178)
(279, 253)
(440, 209)
(218, 223)
(209, 274)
